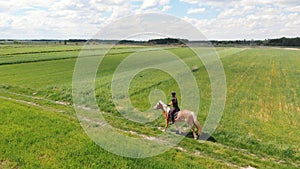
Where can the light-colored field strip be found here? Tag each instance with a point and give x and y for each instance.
(230, 52)
(285, 48)
(234, 87)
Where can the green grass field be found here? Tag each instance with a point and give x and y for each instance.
(39, 128)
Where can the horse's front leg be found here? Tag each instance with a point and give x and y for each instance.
(167, 124)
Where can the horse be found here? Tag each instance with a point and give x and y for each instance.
(188, 116)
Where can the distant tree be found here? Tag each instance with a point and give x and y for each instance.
(284, 42)
(168, 41)
(16, 42)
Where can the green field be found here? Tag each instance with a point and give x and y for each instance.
(39, 128)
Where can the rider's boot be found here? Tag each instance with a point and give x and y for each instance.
(172, 118)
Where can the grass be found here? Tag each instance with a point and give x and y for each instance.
(259, 128)
(58, 141)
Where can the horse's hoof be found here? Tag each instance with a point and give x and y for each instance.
(178, 132)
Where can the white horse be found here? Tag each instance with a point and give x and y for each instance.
(187, 115)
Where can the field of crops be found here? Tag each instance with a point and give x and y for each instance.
(260, 126)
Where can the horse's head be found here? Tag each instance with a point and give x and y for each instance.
(159, 105)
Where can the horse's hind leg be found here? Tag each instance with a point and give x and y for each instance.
(199, 128)
(178, 128)
(194, 133)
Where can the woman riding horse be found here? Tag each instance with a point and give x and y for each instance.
(175, 108)
(184, 115)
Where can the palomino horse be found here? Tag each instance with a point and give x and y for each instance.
(187, 115)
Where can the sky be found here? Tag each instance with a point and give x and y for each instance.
(216, 19)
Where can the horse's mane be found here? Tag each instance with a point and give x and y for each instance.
(165, 106)
(161, 102)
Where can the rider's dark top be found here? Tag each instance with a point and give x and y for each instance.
(175, 104)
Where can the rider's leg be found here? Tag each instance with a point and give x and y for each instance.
(172, 116)
(175, 110)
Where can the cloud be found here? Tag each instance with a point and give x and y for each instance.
(195, 11)
(243, 19)
(166, 8)
(237, 10)
(153, 6)
(228, 19)
(154, 3)
(262, 24)
(68, 18)
(58, 19)
(149, 4)
(190, 1)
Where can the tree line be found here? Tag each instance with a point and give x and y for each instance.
(289, 42)
(267, 42)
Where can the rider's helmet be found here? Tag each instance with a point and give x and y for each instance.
(173, 93)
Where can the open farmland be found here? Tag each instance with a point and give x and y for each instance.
(260, 126)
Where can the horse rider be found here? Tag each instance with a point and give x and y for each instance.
(174, 103)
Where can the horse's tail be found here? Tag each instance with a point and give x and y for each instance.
(197, 124)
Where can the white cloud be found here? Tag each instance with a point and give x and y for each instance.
(293, 9)
(166, 8)
(237, 10)
(61, 19)
(231, 19)
(263, 23)
(190, 1)
(68, 18)
(154, 3)
(149, 4)
(153, 6)
(195, 11)
(256, 19)
(164, 2)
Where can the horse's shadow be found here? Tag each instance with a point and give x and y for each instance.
(204, 136)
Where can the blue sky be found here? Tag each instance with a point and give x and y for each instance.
(234, 19)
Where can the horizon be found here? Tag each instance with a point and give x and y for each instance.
(136, 40)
